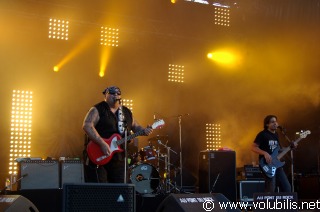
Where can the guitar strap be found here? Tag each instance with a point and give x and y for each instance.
(121, 120)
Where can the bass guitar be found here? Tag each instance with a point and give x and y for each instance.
(270, 168)
(96, 155)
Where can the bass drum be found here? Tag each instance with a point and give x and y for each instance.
(145, 177)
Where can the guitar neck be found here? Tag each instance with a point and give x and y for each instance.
(287, 149)
(129, 137)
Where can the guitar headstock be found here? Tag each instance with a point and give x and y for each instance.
(305, 134)
(158, 124)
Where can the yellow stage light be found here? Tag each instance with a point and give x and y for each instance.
(58, 29)
(24, 99)
(213, 136)
(101, 73)
(225, 57)
(176, 73)
(85, 42)
(173, 1)
(55, 68)
(128, 103)
(222, 15)
(109, 36)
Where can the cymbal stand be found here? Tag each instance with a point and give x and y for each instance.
(158, 158)
(168, 185)
(167, 164)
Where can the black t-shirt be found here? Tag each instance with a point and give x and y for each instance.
(267, 141)
(108, 121)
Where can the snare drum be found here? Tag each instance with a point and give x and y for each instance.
(145, 177)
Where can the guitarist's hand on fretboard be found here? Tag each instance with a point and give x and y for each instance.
(148, 130)
(293, 145)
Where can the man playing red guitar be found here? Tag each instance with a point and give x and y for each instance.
(102, 121)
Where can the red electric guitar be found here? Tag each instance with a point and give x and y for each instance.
(96, 155)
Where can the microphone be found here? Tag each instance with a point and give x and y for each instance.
(159, 142)
(282, 129)
(25, 175)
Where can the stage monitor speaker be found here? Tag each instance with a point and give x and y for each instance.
(71, 172)
(195, 202)
(85, 197)
(39, 174)
(217, 173)
(14, 203)
(248, 187)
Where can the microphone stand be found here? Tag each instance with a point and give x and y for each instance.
(125, 155)
(180, 139)
(4, 190)
(283, 131)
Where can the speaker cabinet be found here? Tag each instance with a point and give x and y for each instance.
(71, 172)
(217, 173)
(194, 202)
(14, 203)
(39, 174)
(85, 197)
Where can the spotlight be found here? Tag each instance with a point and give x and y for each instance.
(213, 136)
(109, 36)
(55, 68)
(101, 74)
(223, 57)
(128, 103)
(21, 120)
(176, 73)
(222, 15)
(58, 29)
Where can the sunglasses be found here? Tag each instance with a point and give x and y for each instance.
(114, 92)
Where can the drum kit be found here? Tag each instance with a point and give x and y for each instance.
(151, 170)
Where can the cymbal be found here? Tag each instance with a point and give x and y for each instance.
(159, 137)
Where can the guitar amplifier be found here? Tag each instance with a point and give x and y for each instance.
(39, 174)
(71, 171)
(253, 172)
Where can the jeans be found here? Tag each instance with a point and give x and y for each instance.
(280, 179)
(112, 172)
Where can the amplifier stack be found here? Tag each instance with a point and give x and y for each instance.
(49, 174)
